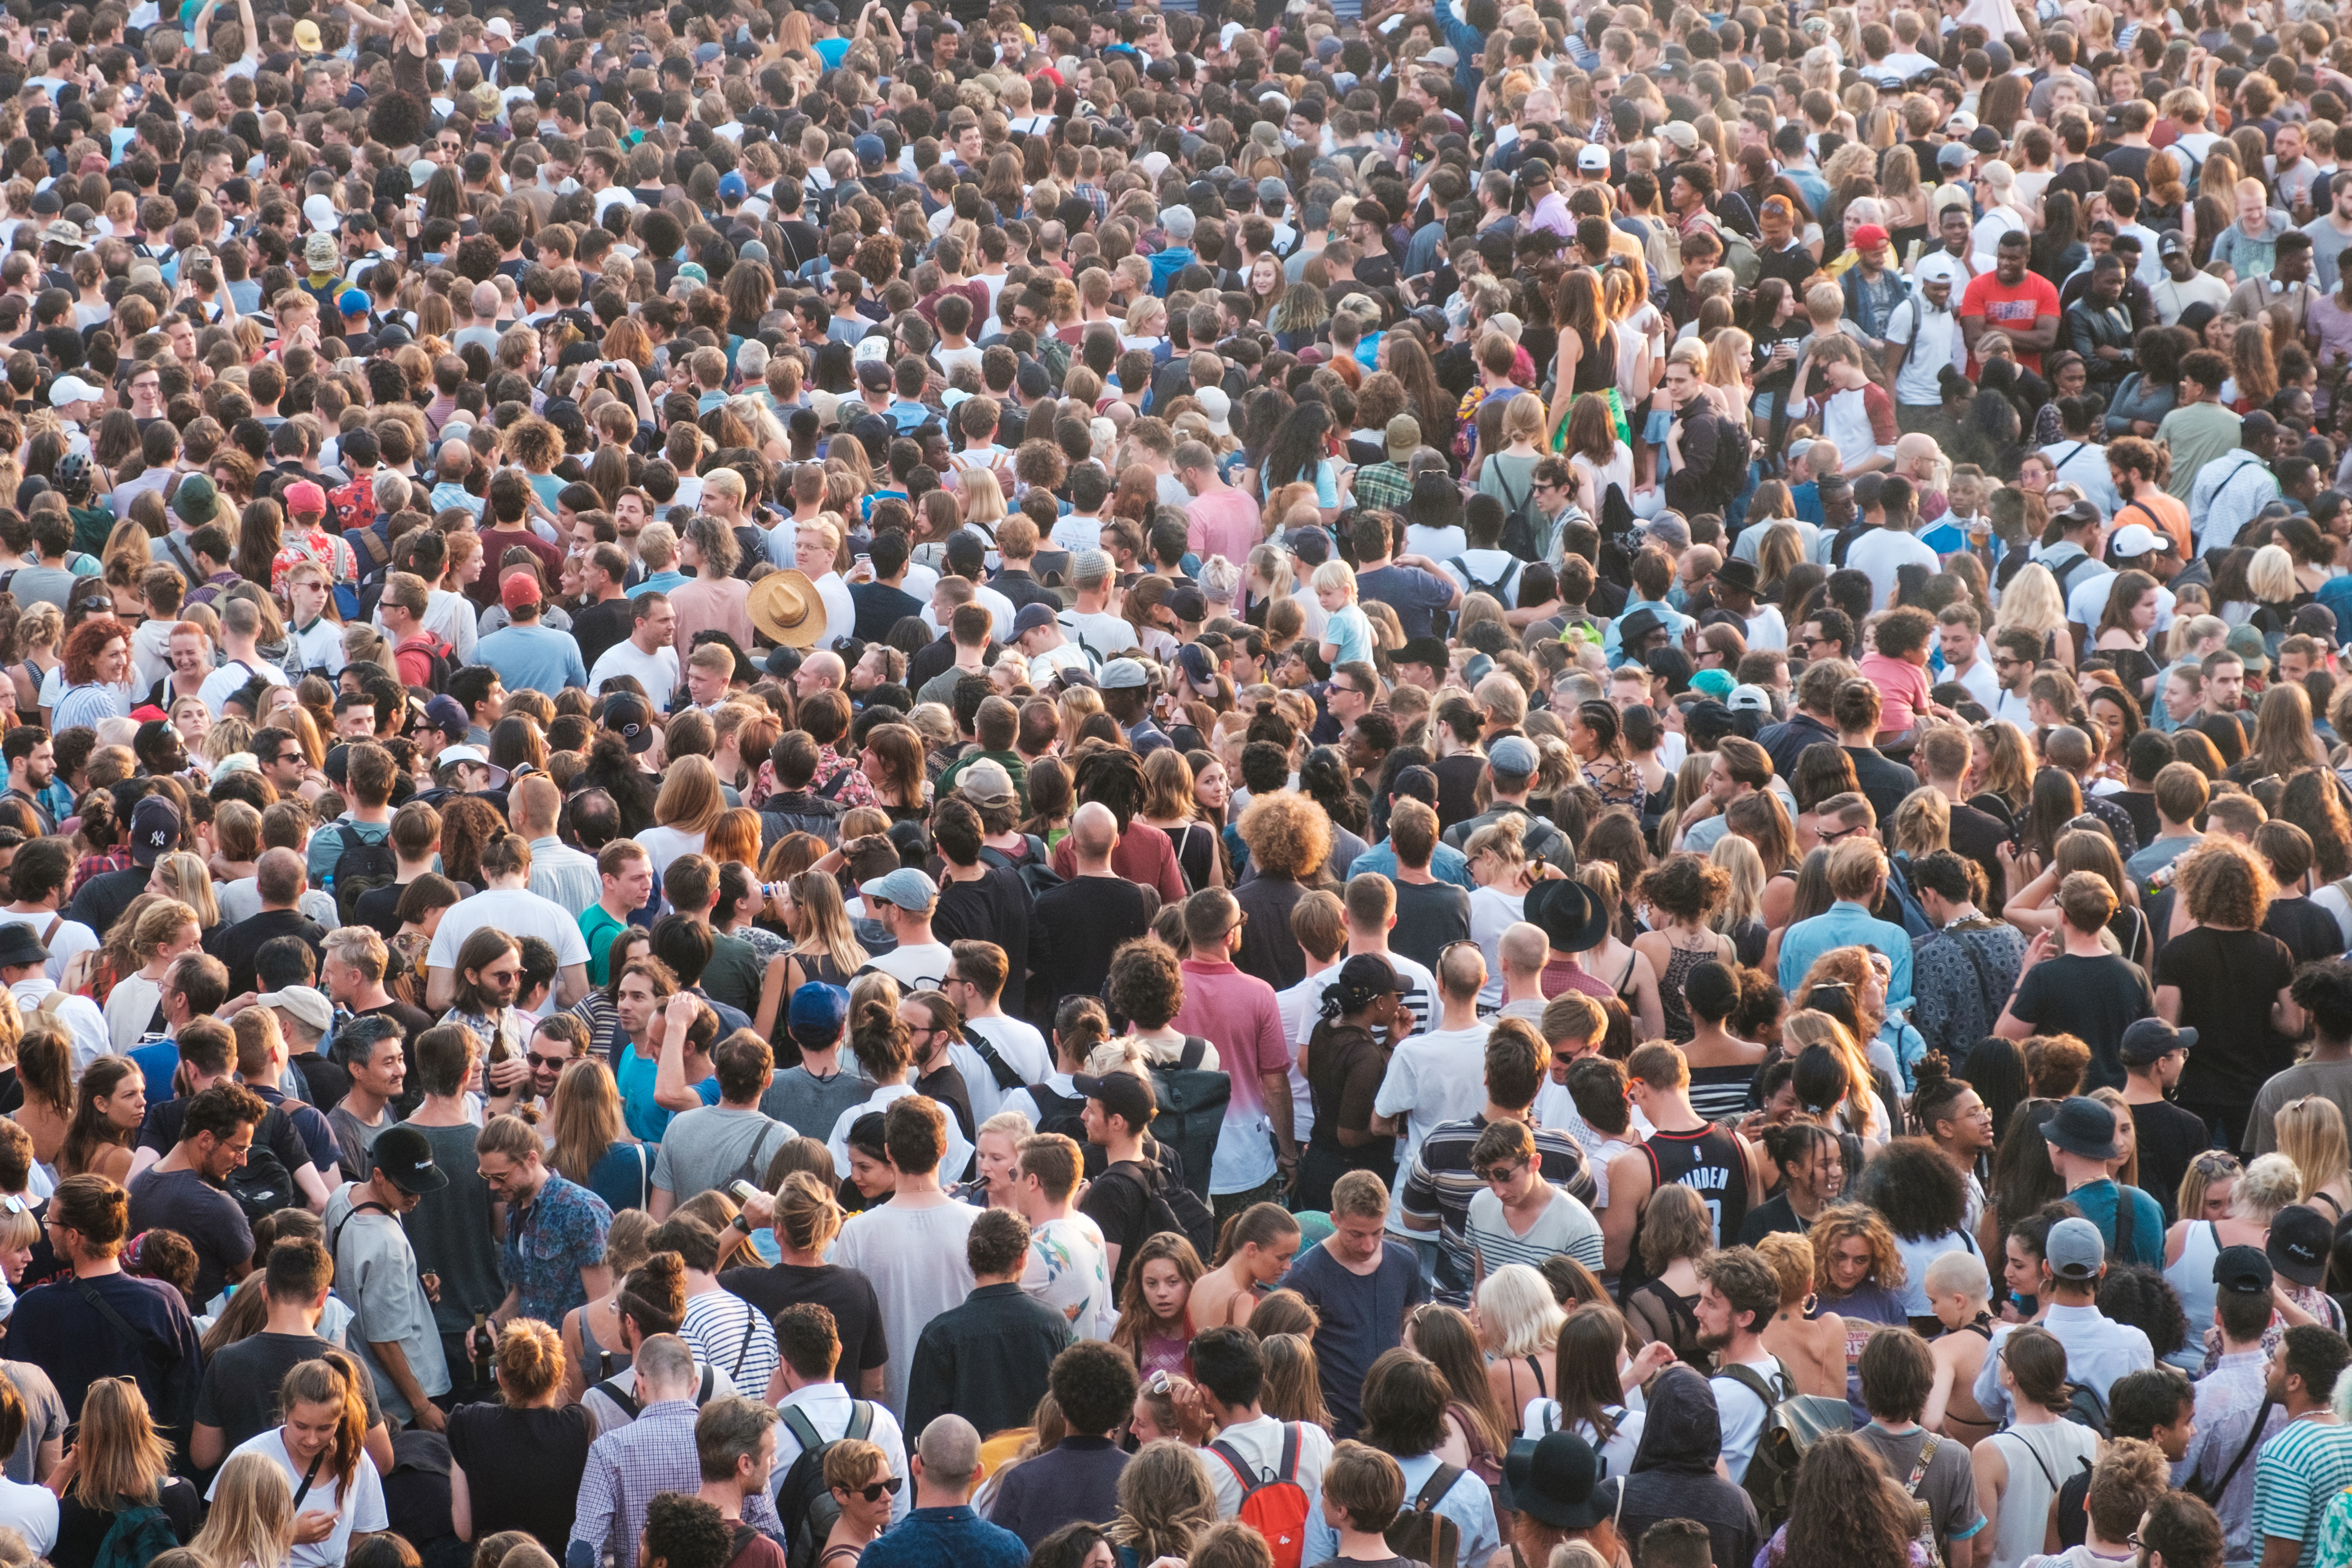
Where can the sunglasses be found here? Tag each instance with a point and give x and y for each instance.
(552, 1064)
(879, 1489)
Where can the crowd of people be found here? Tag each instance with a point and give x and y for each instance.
(1472, 784)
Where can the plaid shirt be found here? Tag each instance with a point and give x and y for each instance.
(1096, 197)
(1383, 485)
(629, 1467)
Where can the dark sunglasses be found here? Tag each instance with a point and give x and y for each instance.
(553, 1064)
(879, 1489)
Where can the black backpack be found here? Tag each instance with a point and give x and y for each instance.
(1731, 450)
(1167, 1206)
(1191, 1111)
(263, 1184)
(803, 1502)
(363, 867)
(1035, 868)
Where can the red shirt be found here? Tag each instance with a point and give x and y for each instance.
(2010, 309)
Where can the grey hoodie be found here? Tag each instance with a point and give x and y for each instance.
(1674, 1471)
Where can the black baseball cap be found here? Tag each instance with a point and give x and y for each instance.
(2242, 1271)
(405, 1158)
(1126, 1095)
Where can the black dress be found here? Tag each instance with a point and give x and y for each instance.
(1596, 368)
(1344, 1067)
(522, 1466)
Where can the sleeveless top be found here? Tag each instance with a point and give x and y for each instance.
(1720, 1093)
(1596, 368)
(2192, 1279)
(2038, 1459)
(1708, 1161)
(1679, 1027)
(592, 1355)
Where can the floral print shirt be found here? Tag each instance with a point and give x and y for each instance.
(548, 1243)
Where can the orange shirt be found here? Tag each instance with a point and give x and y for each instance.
(2163, 511)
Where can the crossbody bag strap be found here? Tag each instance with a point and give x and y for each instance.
(1919, 1470)
(308, 1476)
(2246, 1449)
(137, 1338)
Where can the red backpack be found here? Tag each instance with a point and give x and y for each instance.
(1275, 1505)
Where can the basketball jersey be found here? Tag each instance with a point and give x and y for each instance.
(1709, 1160)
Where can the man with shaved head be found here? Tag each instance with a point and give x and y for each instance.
(941, 1526)
(1081, 923)
(1523, 953)
(820, 671)
(1436, 1076)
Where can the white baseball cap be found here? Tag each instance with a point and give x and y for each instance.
(73, 389)
(2134, 538)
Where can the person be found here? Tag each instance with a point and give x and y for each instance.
(527, 1450)
(1118, 1112)
(2083, 1145)
(1360, 1285)
(988, 1359)
(2016, 1467)
(2230, 981)
(319, 1446)
(1247, 1445)
(630, 1466)
(1068, 1267)
(2234, 1414)
(378, 1278)
(119, 1462)
(733, 1440)
(451, 1229)
(866, 1488)
(2310, 1459)
(804, 1218)
(183, 1192)
(1675, 1473)
(2164, 1138)
(552, 1258)
(237, 1400)
(1898, 1372)
(252, 1519)
(704, 1148)
(941, 1527)
(2069, 983)
(1094, 1386)
(1683, 1149)
(913, 1248)
(59, 1327)
(2099, 1350)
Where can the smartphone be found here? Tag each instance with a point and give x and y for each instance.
(744, 1191)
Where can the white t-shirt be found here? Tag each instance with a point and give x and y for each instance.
(952, 1164)
(232, 678)
(915, 968)
(915, 1259)
(655, 671)
(1881, 552)
(1023, 1049)
(1432, 1077)
(1259, 1443)
(1422, 998)
(32, 1512)
(1069, 1271)
(358, 1509)
(664, 844)
(516, 912)
(69, 939)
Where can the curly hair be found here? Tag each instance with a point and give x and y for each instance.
(1687, 887)
(1916, 1188)
(1287, 835)
(2136, 1294)
(1847, 1510)
(2223, 883)
(1836, 983)
(1842, 1222)
(86, 642)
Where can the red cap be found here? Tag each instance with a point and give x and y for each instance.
(519, 588)
(305, 497)
(1869, 236)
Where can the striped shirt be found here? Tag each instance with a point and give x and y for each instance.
(1567, 1225)
(2296, 1475)
(1438, 1183)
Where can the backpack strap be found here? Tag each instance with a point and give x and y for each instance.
(861, 1418)
(1231, 1456)
(803, 1429)
(610, 1389)
(1196, 1052)
(1919, 1470)
(1749, 1379)
(1289, 1470)
(998, 1068)
(710, 1386)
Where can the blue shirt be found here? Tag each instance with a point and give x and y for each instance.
(1467, 1503)
(1846, 924)
(1418, 598)
(157, 1063)
(635, 1076)
(928, 1537)
(533, 658)
(659, 583)
(1363, 1315)
(1447, 864)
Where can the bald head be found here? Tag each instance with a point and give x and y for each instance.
(536, 803)
(2066, 747)
(278, 876)
(822, 672)
(454, 461)
(486, 301)
(1462, 971)
(947, 1458)
(1095, 832)
(1523, 949)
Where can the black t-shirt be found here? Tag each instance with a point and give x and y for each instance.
(536, 1456)
(2168, 1138)
(1458, 785)
(601, 625)
(2309, 932)
(104, 897)
(2142, 809)
(1772, 1216)
(1084, 921)
(2092, 999)
(235, 945)
(1119, 1208)
(993, 907)
(2228, 981)
(947, 1087)
(240, 1393)
(1429, 915)
(847, 1294)
(211, 1220)
(1884, 782)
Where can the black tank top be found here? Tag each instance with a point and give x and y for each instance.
(1709, 1160)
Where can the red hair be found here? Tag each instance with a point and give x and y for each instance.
(86, 643)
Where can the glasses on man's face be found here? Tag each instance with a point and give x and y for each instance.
(1509, 1172)
(547, 1063)
(1840, 835)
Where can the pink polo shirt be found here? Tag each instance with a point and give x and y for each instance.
(1237, 1014)
(1222, 523)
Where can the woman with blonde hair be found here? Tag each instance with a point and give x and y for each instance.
(251, 1524)
(688, 807)
(528, 1417)
(824, 947)
(2031, 603)
(857, 1474)
(162, 931)
(1293, 1389)
(2310, 1131)
(119, 1462)
(982, 498)
(1518, 1323)
(1165, 1500)
(1862, 1110)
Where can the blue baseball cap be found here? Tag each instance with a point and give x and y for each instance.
(731, 185)
(817, 1013)
(905, 888)
(352, 302)
(869, 148)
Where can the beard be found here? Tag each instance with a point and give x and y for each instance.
(1712, 1341)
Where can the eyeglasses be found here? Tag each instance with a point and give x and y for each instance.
(2215, 1165)
(1842, 834)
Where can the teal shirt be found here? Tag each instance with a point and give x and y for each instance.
(644, 1117)
(2098, 1202)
